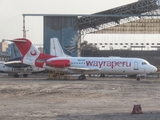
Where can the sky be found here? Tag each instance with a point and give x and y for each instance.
(11, 20)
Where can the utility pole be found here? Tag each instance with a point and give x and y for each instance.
(24, 29)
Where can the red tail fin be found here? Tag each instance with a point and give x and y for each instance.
(31, 55)
(23, 45)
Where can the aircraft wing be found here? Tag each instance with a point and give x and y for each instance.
(83, 69)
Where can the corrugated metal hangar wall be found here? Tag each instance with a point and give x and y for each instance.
(63, 28)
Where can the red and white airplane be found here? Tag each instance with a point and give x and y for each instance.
(82, 65)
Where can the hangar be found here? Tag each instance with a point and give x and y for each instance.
(135, 18)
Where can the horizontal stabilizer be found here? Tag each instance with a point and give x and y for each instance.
(15, 40)
(12, 62)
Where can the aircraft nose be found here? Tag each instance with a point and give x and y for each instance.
(154, 69)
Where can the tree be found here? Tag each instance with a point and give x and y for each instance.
(86, 46)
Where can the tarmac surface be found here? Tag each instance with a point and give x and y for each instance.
(109, 98)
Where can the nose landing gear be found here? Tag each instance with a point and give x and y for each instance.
(138, 78)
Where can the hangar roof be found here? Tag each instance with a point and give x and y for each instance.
(85, 21)
(142, 6)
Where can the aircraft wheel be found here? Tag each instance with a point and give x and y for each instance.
(16, 75)
(102, 75)
(25, 75)
(138, 78)
(82, 77)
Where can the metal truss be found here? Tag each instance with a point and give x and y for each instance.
(90, 24)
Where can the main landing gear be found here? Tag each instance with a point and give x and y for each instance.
(18, 75)
(82, 77)
(25, 75)
(138, 77)
(102, 75)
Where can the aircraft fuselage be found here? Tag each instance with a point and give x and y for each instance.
(110, 65)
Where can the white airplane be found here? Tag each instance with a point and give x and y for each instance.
(82, 65)
(17, 68)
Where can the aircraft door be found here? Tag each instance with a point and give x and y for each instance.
(135, 65)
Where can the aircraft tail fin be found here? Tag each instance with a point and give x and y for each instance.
(25, 46)
(56, 49)
(31, 55)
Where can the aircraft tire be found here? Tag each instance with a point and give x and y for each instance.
(82, 77)
(25, 75)
(16, 75)
(138, 78)
(102, 75)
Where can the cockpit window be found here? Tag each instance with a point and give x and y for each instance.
(144, 63)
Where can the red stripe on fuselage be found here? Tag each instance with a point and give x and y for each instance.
(42, 57)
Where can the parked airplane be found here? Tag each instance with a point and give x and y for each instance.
(17, 68)
(82, 65)
(56, 50)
